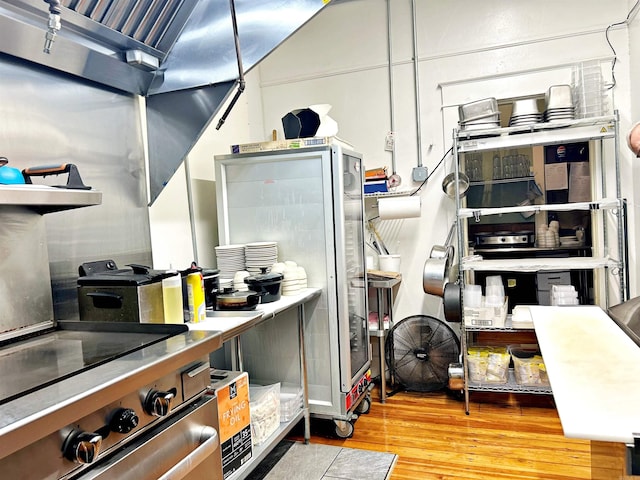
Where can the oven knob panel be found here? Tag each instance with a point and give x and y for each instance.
(123, 420)
(158, 403)
(82, 447)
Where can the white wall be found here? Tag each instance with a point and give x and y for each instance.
(466, 50)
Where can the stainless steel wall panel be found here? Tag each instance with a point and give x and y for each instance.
(47, 118)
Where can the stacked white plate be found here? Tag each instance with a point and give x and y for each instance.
(570, 241)
(230, 259)
(259, 255)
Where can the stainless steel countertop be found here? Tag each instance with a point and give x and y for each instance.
(234, 323)
(35, 415)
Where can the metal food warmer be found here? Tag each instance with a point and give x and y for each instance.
(93, 400)
(310, 200)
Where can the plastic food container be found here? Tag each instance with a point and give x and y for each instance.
(528, 365)
(486, 316)
(264, 404)
(290, 402)
(488, 364)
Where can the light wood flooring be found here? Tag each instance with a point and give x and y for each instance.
(504, 437)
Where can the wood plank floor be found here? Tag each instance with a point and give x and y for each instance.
(504, 437)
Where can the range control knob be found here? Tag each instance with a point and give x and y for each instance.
(158, 403)
(82, 447)
(123, 420)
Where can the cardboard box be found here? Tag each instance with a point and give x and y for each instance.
(376, 186)
(291, 144)
(491, 317)
(234, 419)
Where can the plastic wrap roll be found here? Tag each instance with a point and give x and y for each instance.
(399, 207)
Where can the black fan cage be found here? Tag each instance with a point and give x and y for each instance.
(418, 352)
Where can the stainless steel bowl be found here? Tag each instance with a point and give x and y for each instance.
(449, 185)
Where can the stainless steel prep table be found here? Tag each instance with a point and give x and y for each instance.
(232, 325)
(384, 296)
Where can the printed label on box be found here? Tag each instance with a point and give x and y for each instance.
(234, 424)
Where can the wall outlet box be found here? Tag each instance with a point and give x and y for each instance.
(419, 174)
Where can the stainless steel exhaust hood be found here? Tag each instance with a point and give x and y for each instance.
(179, 54)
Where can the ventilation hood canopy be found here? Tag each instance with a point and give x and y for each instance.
(180, 54)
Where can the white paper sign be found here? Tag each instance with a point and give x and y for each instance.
(555, 176)
(579, 182)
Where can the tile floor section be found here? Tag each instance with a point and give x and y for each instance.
(327, 462)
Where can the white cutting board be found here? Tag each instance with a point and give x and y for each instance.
(594, 371)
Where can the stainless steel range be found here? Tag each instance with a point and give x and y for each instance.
(74, 398)
(84, 400)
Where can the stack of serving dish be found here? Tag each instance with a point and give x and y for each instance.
(525, 112)
(479, 115)
(559, 104)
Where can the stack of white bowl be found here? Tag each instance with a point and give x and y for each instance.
(588, 90)
(559, 104)
(238, 281)
(525, 112)
(548, 236)
(295, 277)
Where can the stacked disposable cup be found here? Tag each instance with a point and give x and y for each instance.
(494, 290)
(472, 296)
(588, 90)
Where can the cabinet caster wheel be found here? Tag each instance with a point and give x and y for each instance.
(364, 406)
(343, 429)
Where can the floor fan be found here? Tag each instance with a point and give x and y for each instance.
(418, 352)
